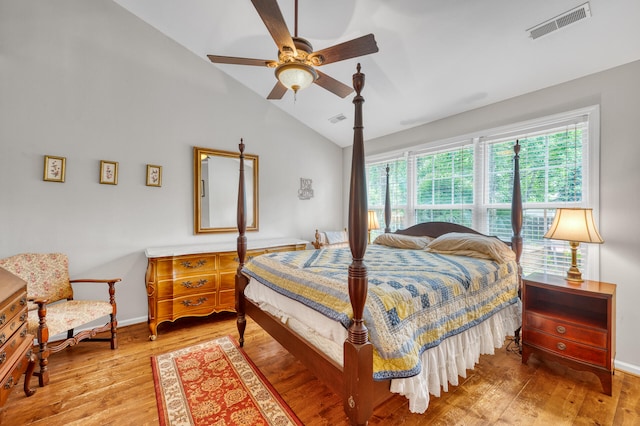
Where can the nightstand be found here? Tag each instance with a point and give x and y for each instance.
(571, 323)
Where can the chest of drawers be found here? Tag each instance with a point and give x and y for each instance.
(571, 323)
(198, 280)
(16, 355)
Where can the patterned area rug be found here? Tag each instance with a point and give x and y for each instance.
(215, 383)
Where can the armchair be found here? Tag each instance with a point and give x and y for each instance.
(52, 309)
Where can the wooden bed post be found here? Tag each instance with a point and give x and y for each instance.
(516, 208)
(241, 281)
(516, 222)
(358, 351)
(387, 205)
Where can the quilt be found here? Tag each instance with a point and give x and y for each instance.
(415, 298)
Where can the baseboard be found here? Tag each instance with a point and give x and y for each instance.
(627, 368)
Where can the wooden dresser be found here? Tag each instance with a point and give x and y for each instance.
(198, 280)
(16, 354)
(571, 323)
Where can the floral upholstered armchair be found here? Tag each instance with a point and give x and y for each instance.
(52, 309)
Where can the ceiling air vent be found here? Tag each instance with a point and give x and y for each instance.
(560, 21)
(337, 118)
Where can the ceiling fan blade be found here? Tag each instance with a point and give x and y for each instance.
(272, 17)
(349, 49)
(278, 91)
(239, 61)
(332, 85)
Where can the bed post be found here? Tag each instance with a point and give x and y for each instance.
(387, 205)
(516, 222)
(516, 208)
(241, 280)
(358, 351)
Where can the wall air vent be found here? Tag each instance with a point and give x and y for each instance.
(337, 118)
(560, 21)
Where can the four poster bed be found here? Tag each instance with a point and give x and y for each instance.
(406, 315)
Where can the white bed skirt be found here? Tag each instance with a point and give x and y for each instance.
(441, 365)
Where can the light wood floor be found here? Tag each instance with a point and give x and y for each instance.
(93, 385)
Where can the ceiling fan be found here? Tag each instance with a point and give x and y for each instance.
(295, 67)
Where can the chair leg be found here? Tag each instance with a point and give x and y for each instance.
(43, 351)
(114, 332)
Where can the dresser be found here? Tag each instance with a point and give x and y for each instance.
(16, 354)
(198, 280)
(571, 323)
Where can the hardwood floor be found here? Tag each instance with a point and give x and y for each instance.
(93, 385)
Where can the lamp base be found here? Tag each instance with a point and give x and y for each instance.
(573, 274)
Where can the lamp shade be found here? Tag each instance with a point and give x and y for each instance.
(296, 76)
(574, 224)
(373, 221)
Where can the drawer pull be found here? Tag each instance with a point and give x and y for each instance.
(198, 264)
(561, 346)
(3, 339)
(199, 302)
(561, 330)
(9, 383)
(24, 332)
(23, 301)
(3, 357)
(189, 284)
(3, 318)
(23, 317)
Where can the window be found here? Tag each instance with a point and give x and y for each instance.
(470, 181)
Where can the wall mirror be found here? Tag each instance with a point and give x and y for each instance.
(215, 194)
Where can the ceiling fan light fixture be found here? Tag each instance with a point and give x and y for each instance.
(296, 76)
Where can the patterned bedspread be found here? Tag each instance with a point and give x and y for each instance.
(415, 300)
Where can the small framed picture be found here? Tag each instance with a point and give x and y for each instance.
(109, 172)
(54, 168)
(154, 175)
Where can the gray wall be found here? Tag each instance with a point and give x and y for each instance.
(617, 91)
(88, 81)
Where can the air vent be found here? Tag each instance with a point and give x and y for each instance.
(337, 118)
(574, 15)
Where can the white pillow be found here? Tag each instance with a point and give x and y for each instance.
(473, 245)
(402, 241)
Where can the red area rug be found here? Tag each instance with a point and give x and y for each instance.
(215, 383)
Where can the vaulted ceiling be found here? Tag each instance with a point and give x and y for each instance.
(436, 59)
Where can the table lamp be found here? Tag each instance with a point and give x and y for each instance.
(372, 223)
(575, 225)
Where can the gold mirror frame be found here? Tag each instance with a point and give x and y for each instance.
(221, 180)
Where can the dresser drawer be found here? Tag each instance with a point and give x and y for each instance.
(186, 265)
(13, 323)
(12, 306)
(18, 363)
(566, 348)
(13, 342)
(186, 286)
(566, 330)
(193, 305)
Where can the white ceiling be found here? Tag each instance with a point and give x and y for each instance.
(437, 58)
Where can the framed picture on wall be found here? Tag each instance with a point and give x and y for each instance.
(54, 168)
(109, 172)
(154, 175)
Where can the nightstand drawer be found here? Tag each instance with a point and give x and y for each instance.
(566, 330)
(566, 348)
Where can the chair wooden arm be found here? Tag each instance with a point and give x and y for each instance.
(91, 280)
(38, 301)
